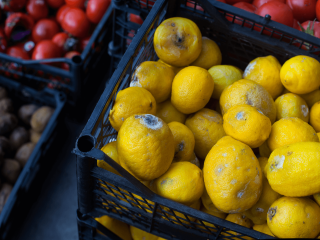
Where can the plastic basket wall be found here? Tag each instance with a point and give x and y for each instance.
(241, 37)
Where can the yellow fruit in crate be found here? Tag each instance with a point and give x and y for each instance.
(132, 100)
(264, 150)
(294, 170)
(315, 116)
(232, 176)
(223, 76)
(250, 93)
(210, 54)
(207, 129)
(263, 161)
(119, 228)
(266, 72)
(317, 197)
(312, 97)
(207, 202)
(247, 124)
(300, 74)
(291, 105)
(263, 228)
(168, 113)
(294, 218)
(177, 41)
(111, 150)
(239, 219)
(183, 183)
(183, 141)
(145, 146)
(156, 77)
(192, 88)
(318, 135)
(290, 130)
(138, 234)
(258, 212)
(210, 226)
(175, 69)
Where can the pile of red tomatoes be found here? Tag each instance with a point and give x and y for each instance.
(41, 29)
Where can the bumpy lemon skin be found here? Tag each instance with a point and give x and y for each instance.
(315, 116)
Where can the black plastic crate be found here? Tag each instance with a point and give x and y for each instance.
(82, 69)
(17, 203)
(103, 193)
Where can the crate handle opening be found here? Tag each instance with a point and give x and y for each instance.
(85, 143)
(76, 59)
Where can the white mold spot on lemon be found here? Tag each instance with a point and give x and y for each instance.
(257, 180)
(219, 169)
(239, 116)
(260, 209)
(150, 121)
(227, 165)
(304, 110)
(135, 82)
(279, 160)
(248, 69)
(224, 154)
(234, 181)
(260, 112)
(240, 194)
(238, 168)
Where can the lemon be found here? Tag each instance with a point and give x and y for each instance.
(210, 54)
(312, 97)
(294, 218)
(192, 88)
(145, 146)
(263, 228)
(239, 219)
(263, 162)
(119, 228)
(111, 150)
(300, 74)
(223, 76)
(175, 69)
(207, 203)
(247, 124)
(138, 234)
(317, 197)
(168, 113)
(291, 105)
(132, 100)
(315, 116)
(266, 72)
(156, 77)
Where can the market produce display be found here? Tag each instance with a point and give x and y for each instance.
(255, 140)
(41, 29)
(21, 127)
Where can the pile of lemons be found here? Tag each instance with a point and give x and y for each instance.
(242, 146)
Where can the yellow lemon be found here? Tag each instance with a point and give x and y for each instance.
(232, 176)
(119, 228)
(207, 129)
(315, 116)
(175, 69)
(317, 197)
(192, 88)
(290, 130)
(250, 93)
(294, 218)
(211, 226)
(223, 76)
(247, 124)
(183, 141)
(132, 100)
(111, 150)
(210, 54)
(318, 135)
(155, 77)
(145, 146)
(168, 113)
(263, 162)
(183, 183)
(300, 74)
(312, 97)
(266, 72)
(177, 41)
(263, 228)
(264, 150)
(207, 202)
(294, 170)
(239, 219)
(138, 234)
(291, 105)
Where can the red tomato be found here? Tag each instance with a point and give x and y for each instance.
(46, 49)
(55, 3)
(75, 22)
(84, 42)
(69, 55)
(144, 3)
(12, 5)
(310, 27)
(303, 10)
(259, 3)
(37, 9)
(278, 11)
(3, 41)
(318, 10)
(61, 12)
(18, 21)
(236, 1)
(76, 3)
(96, 9)
(191, 4)
(27, 46)
(44, 29)
(135, 18)
(60, 39)
(245, 6)
(295, 24)
(18, 52)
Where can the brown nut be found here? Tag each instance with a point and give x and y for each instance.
(40, 118)
(6, 105)
(25, 112)
(18, 137)
(7, 123)
(10, 170)
(34, 136)
(24, 153)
